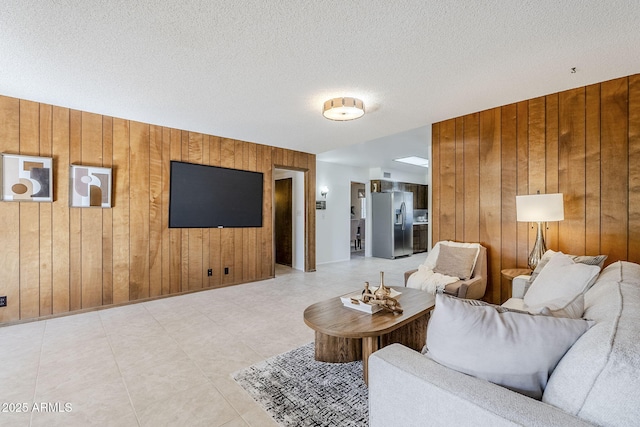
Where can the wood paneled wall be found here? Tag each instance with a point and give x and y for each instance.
(56, 259)
(584, 143)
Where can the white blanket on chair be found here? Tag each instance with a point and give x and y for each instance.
(426, 279)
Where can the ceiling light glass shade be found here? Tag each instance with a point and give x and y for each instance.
(342, 109)
(540, 207)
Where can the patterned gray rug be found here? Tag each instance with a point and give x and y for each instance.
(296, 390)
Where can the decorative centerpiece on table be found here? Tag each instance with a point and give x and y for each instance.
(382, 298)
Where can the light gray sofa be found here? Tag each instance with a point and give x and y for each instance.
(597, 382)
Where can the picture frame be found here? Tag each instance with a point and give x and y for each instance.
(90, 187)
(26, 178)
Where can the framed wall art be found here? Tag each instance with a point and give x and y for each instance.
(26, 178)
(90, 187)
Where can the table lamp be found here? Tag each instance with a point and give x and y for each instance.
(539, 208)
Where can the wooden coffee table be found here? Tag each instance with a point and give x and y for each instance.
(345, 335)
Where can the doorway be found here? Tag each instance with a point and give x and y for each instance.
(284, 221)
(289, 218)
(358, 215)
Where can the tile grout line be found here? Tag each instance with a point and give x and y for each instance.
(208, 380)
(35, 387)
(115, 359)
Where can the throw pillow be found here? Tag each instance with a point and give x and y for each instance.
(560, 282)
(513, 349)
(456, 261)
(432, 258)
(590, 259)
(541, 264)
(582, 259)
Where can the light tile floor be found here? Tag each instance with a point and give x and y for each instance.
(168, 361)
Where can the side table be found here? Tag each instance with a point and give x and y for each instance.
(517, 289)
(510, 273)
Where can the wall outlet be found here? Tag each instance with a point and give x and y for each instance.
(209, 272)
(226, 270)
(3, 301)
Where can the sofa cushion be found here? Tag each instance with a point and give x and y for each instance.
(560, 282)
(573, 309)
(598, 379)
(514, 349)
(456, 261)
(560, 308)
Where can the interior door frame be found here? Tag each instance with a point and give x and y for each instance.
(351, 186)
(309, 217)
(289, 208)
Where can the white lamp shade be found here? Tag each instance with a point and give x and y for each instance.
(540, 208)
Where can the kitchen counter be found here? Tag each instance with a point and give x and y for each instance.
(421, 223)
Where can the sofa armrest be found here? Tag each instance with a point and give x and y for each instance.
(520, 286)
(407, 274)
(409, 389)
(472, 288)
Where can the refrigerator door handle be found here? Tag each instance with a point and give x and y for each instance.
(403, 211)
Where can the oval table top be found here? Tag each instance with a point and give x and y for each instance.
(331, 317)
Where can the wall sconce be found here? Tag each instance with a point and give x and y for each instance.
(539, 208)
(323, 191)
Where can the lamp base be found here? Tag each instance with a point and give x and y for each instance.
(539, 248)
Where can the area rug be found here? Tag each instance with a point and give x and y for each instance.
(297, 390)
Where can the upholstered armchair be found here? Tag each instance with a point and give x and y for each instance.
(472, 287)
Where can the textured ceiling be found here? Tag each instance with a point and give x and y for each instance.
(260, 70)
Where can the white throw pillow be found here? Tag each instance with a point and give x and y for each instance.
(583, 259)
(513, 349)
(560, 282)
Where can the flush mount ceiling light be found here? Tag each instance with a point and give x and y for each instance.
(414, 160)
(342, 109)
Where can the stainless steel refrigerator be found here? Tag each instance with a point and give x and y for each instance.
(392, 224)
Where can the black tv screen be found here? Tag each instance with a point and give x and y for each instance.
(202, 196)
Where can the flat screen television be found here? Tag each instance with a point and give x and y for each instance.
(202, 196)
